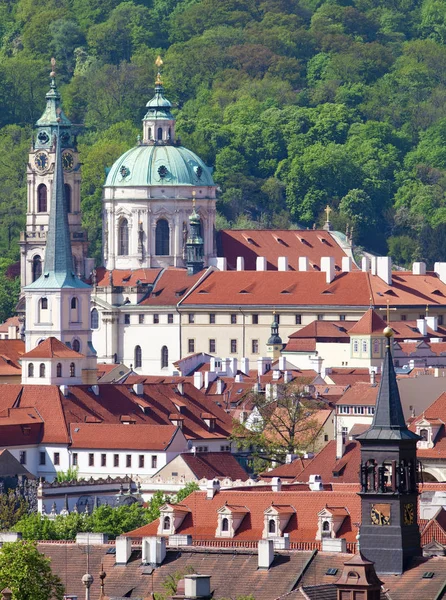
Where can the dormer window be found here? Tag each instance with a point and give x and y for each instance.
(166, 523)
(272, 526)
(229, 520)
(330, 521)
(209, 419)
(427, 429)
(276, 519)
(225, 524)
(171, 518)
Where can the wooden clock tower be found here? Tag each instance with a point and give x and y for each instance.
(389, 534)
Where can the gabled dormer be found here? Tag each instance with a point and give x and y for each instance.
(427, 428)
(230, 518)
(276, 518)
(330, 520)
(171, 518)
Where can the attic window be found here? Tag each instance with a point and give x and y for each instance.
(428, 575)
(303, 240)
(203, 292)
(180, 292)
(437, 293)
(324, 241)
(331, 571)
(390, 293)
(126, 278)
(158, 292)
(280, 241)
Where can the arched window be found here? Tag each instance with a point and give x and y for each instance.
(355, 346)
(166, 523)
(42, 370)
(123, 241)
(150, 133)
(160, 133)
(58, 370)
(94, 319)
(364, 345)
(225, 524)
(68, 197)
(37, 267)
(164, 357)
(138, 357)
(272, 526)
(325, 526)
(74, 303)
(43, 303)
(72, 370)
(162, 238)
(76, 345)
(31, 370)
(424, 435)
(42, 204)
(169, 134)
(375, 346)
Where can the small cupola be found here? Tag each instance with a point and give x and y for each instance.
(158, 122)
(274, 343)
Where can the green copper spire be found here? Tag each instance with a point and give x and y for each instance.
(58, 270)
(53, 117)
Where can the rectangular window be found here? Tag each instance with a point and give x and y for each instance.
(127, 319)
(42, 458)
(320, 317)
(233, 319)
(371, 410)
(233, 346)
(154, 461)
(23, 457)
(364, 345)
(255, 319)
(103, 460)
(91, 459)
(212, 319)
(225, 448)
(170, 318)
(191, 318)
(344, 410)
(342, 317)
(403, 317)
(56, 458)
(75, 462)
(191, 346)
(156, 319)
(298, 319)
(128, 460)
(325, 437)
(255, 346)
(358, 410)
(141, 319)
(141, 461)
(212, 346)
(116, 460)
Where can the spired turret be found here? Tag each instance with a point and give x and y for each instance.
(194, 244)
(274, 344)
(390, 535)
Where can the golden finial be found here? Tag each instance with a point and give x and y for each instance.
(159, 61)
(328, 211)
(53, 68)
(388, 332)
(193, 198)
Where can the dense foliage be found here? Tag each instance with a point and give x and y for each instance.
(296, 103)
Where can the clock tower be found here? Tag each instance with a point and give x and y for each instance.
(389, 534)
(40, 175)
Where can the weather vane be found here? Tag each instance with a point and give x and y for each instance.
(158, 63)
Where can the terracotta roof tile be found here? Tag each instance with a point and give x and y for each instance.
(125, 277)
(360, 394)
(125, 437)
(325, 463)
(215, 465)
(52, 348)
(368, 324)
(171, 287)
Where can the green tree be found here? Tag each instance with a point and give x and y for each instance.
(12, 508)
(28, 573)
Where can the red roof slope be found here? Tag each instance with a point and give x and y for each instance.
(331, 469)
(170, 287)
(215, 465)
(125, 277)
(360, 394)
(124, 437)
(52, 348)
(271, 244)
(368, 324)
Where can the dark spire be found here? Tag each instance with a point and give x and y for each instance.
(53, 117)
(388, 422)
(275, 337)
(194, 243)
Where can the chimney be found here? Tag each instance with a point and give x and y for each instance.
(365, 264)
(244, 366)
(219, 386)
(440, 270)
(153, 550)
(240, 263)
(95, 390)
(260, 263)
(138, 388)
(276, 484)
(384, 268)
(315, 483)
(221, 263)
(287, 376)
(232, 367)
(212, 488)
(238, 378)
(282, 363)
(180, 388)
(422, 326)
(432, 322)
(328, 267)
(373, 265)
(198, 380)
(196, 587)
(123, 549)
(263, 365)
(419, 268)
(340, 444)
(282, 263)
(265, 550)
(346, 264)
(12, 332)
(372, 377)
(334, 545)
(304, 263)
(65, 390)
(225, 365)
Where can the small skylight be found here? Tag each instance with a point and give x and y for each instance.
(428, 575)
(111, 550)
(331, 571)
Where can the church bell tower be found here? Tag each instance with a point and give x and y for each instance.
(40, 180)
(389, 534)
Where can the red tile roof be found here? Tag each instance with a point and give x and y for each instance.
(123, 437)
(368, 324)
(271, 244)
(52, 348)
(215, 465)
(171, 287)
(11, 322)
(348, 376)
(437, 410)
(325, 464)
(201, 522)
(360, 394)
(287, 472)
(125, 277)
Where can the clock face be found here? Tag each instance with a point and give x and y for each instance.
(41, 161)
(408, 514)
(380, 514)
(67, 161)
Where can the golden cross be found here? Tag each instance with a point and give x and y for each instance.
(328, 211)
(159, 61)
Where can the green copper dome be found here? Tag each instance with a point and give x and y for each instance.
(159, 164)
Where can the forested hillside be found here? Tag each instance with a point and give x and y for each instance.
(296, 103)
